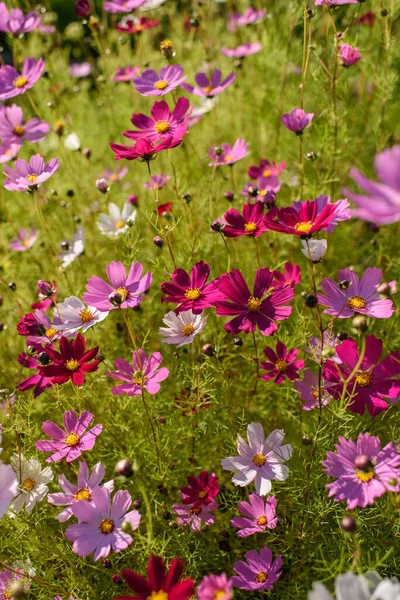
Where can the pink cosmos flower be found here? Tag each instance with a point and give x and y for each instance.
(8, 151)
(126, 74)
(228, 155)
(29, 175)
(15, 22)
(380, 203)
(162, 123)
(13, 83)
(369, 381)
(360, 297)
(260, 572)
(144, 374)
(249, 17)
(82, 8)
(258, 515)
(15, 131)
(307, 388)
(215, 586)
(114, 175)
(190, 292)
(306, 218)
(69, 444)
(281, 364)
(242, 51)
(144, 150)
(122, 6)
(195, 514)
(37, 380)
(124, 291)
(8, 579)
(209, 85)
(297, 120)
(261, 308)
(151, 84)
(157, 182)
(133, 26)
(363, 471)
(260, 459)
(368, 19)
(265, 191)
(349, 55)
(250, 222)
(24, 240)
(290, 276)
(334, 2)
(9, 488)
(266, 169)
(100, 525)
(83, 491)
(201, 490)
(80, 69)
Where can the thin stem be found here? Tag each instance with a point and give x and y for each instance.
(301, 167)
(257, 252)
(41, 581)
(228, 268)
(155, 199)
(153, 430)
(170, 250)
(130, 330)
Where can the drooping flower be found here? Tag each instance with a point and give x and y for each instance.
(368, 586)
(249, 17)
(127, 74)
(290, 276)
(122, 6)
(71, 363)
(281, 364)
(261, 308)
(117, 221)
(209, 85)
(360, 296)
(37, 380)
(69, 444)
(201, 490)
(73, 248)
(136, 25)
(190, 292)
(75, 316)
(29, 175)
(242, 50)
(14, 130)
(259, 573)
(13, 83)
(125, 290)
(33, 482)
(162, 123)
(369, 381)
(228, 155)
(15, 22)
(196, 514)
(100, 524)
(315, 250)
(152, 84)
(260, 459)
(181, 328)
(38, 328)
(144, 374)
(297, 120)
(258, 515)
(349, 55)
(83, 491)
(144, 150)
(308, 389)
(250, 222)
(157, 182)
(8, 489)
(213, 587)
(24, 240)
(363, 471)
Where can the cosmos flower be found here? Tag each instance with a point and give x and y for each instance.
(264, 191)
(117, 221)
(33, 482)
(75, 316)
(13, 83)
(157, 182)
(144, 150)
(69, 444)
(127, 74)
(190, 292)
(152, 84)
(195, 515)
(122, 6)
(368, 19)
(73, 248)
(250, 222)
(209, 85)
(215, 586)
(308, 389)
(144, 374)
(162, 123)
(71, 363)
(8, 489)
(37, 380)
(266, 169)
(260, 459)
(228, 155)
(260, 572)
(330, 341)
(206, 106)
(38, 328)
(29, 175)
(315, 250)
(290, 276)
(349, 55)
(249, 17)
(297, 120)
(125, 290)
(201, 490)
(82, 8)
(334, 2)
(281, 364)
(258, 515)
(242, 50)
(14, 130)
(114, 175)
(363, 471)
(132, 26)
(8, 151)
(80, 69)
(368, 586)
(15, 22)
(181, 328)
(16, 579)
(24, 240)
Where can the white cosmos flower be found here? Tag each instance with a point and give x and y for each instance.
(315, 250)
(75, 315)
(352, 586)
(150, 4)
(117, 221)
(76, 248)
(72, 142)
(182, 328)
(32, 483)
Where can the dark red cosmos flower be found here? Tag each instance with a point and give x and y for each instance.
(72, 362)
(144, 150)
(191, 292)
(250, 222)
(159, 585)
(131, 26)
(202, 489)
(164, 209)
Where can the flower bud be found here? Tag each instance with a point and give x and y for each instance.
(217, 225)
(124, 467)
(107, 563)
(230, 196)
(384, 289)
(208, 349)
(82, 8)
(363, 462)
(115, 298)
(102, 185)
(46, 289)
(311, 156)
(252, 191)
(158, 241)
(307, 440)
(343, 335)
(315, 250)
(311, 300)
(360, 322)
(348, 524)
(16, 590)
(137, 504)
(218, 151)
(87, 152)
(12, 286)
(44, 358)
(167, 49)
(384, 11)
(133, 199)
(238, 341)
(59, 127)
(117, 579)
(187, 198)
(65, 245)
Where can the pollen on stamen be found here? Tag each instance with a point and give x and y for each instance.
(304, 227)
(20, 81)
(192, 294)
(72, 365)
(259, 460)
(356, 302)
(261, 577)
(107, 525)
(32, 178)
(119, 224)
(250, 227)
(19, 130)
(83, 494)
(281, 365)
(86, 315)
(161, 84)
(187, 329)
(363, 378)
(262, 520)
(162, 126)
(72, 439)
(29, 484)
(253, 304)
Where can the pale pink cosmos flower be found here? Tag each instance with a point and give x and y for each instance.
(259, 515)
(29, 175)
(152, 84)
(249, 17)
(228, 155)
(8, 487)
(118, 221)
(349, 55)
(308, 389)
(144, 374)
(122, 6)
(215, 587)
(195, 514)
(112, 176)
(14, 130)
(157, 182)
(126, 74)
(13, 83)
(297, 120)
(209, 85)
(181, 328)
(24, 240)
(8, 151)
(15, 22)
(80, 69)
(76, 316)
(242, 51)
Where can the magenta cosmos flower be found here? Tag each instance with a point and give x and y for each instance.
(122, 6)
(297, 120)
(144, 374)
(242, 51)
(190, 292)
(306, 218)
(145, 150)
(262, 308)
(162, 123)
(13, 83)
(37, 381)
(259, 573)
(29, 175)
(349, 55)
(196, 514)
(152, 84)
(363, 471)
(290, 276)
(258, 515)
(360, 296)
(213, 587)
(71, 363)
(369, 381)
(228, 155)
(15, 131)
(24, 240)
(334, 2)
(134, 26)
(281, 364)
(124, 291)
(380, 202)
(15, 22)
(209, 85)
(69, 444)
(126, 74)
(100, 524)
(202, 489)
(250, 222)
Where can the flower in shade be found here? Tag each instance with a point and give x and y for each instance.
(228, 155)
(162, 123)
(308, 389)
(117, 221)
(261, 308)
(160, 583)
(265, 190)
(209, 85)
(315, 250)
(152, 84)
(13, 83)
(306, 218)
(380, 202)
(126, 74)
(349, 55)
(258, 515)
(100, 524)
(259, 573)
(133, 25)
(72, 362)
(297, 120)
(368, 586)
(360, 296)
(157, 182)
(33, 482)
(242, 50)
(196, 514)
(201, 490)
(24, 240)
(266, 169)
(80, 69)
(145, 150)
(17, 580)
(75, 316)
(14, 130)
(181, 328)
(363, 471)
(82, 8)
(330, 341)
(260, 459)
(8, 489)
(250, 222)
(83, 491)
(112, 176)
(29, 175)
(122, 6)
(290, 276)
(190, 292)
(37, 380)
(125, 290)
(69, 444)
(15, 22)
(213, 587)
(73, 248)
(281, 364)
(368, 19)
(143, 374)
(249, 17)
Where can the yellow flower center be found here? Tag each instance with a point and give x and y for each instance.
(50, 332)
(253, 304)
(364, 476)
(161, 85)
(160, 595)
(219, 594)
(7, 594)
(86, 315)
(363, 378)
(161, 126)
(32, 178)
(106, 526)
(356, 302)
(229, 157)
(119, 224)
(187, 329)
(267, 173)
(72, 364)
(114, 177)
(303, 227)
(139, 378)
(26, 243)
(19, 130)
(123, 292)
(83, 494)
(262, 193)
(262, 520)
(139, 28)
(250, 227)
(208, 89)
(72, 439)
(192, 294)
(20, 81)
(202, 494)
(166, 44)
(259, 460)
(29, 484)
(281, 365)
(261, 577)
(196, 510)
